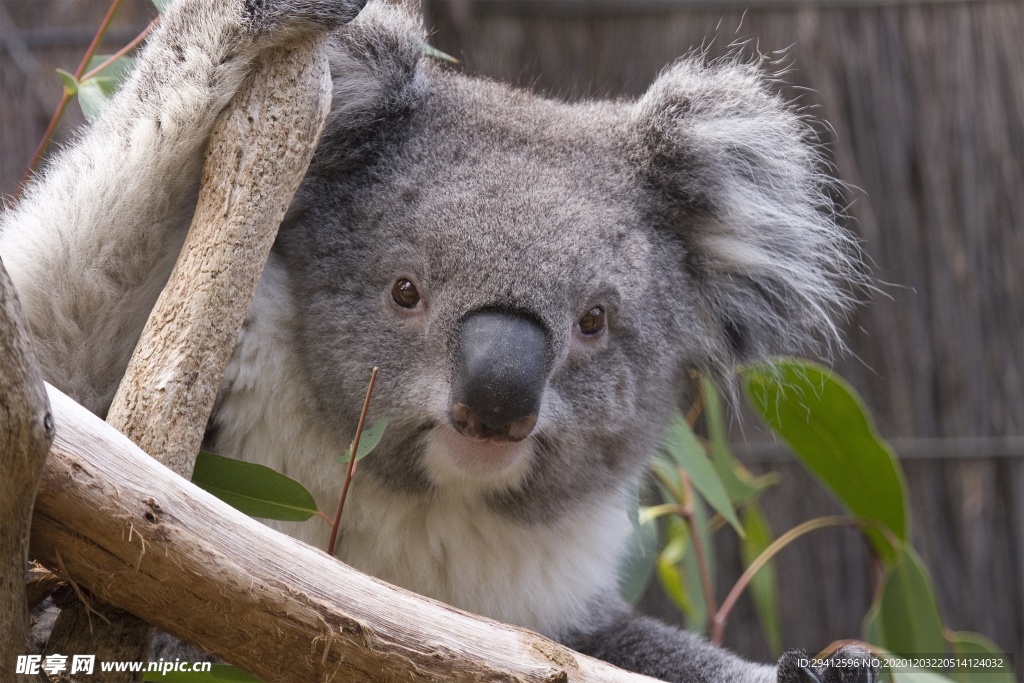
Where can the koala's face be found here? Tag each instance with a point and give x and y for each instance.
(536, 279)
(495, 262)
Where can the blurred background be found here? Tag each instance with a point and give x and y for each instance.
(924, 101)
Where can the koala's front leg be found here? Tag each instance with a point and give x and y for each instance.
(638, 643)
(95, 235)
(796, 667)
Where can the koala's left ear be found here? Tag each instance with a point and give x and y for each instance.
(732, 171)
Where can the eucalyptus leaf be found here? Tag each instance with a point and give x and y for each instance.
(637, 566)
(738, 483)
(976, 646)
(254, 489)
(95, 92)
(700, 620)
(162, 5)
(91, 99)
(69, 82)
(763, 587)
(114, 74)
(871, 627)
(908, 612)
(670, 573)
(368, 440)
(826, 425)
(687, 452)
(652, 512)
(370, 437)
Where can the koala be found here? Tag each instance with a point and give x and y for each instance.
(536, 281)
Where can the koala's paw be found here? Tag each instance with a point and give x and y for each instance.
(847, 665)
(299, 16)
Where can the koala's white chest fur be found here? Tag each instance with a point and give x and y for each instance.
(460, 552)
(452, 548)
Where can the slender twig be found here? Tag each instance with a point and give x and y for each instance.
(688, 512)
(718, 621)
(351, 463)
(58, 114)
(123, 51)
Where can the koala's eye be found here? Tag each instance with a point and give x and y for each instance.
(405, 294)
(592, 321)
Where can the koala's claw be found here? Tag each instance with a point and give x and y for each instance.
(301, 15)
(795, 667)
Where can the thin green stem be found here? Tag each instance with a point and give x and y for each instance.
(354, 449)
(718, 621)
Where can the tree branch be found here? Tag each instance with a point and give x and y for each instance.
(259, 151)
(26, 429)
(145, 540)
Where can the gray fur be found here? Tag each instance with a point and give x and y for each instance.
(697, 217)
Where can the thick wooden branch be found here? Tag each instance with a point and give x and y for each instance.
(25, 432)
(143, 539)
(259, 150)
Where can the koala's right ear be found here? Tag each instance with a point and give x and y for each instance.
(732, 172)
(373, 61)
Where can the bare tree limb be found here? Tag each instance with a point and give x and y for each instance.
(26, 429)
(146, 540)
(259, 151)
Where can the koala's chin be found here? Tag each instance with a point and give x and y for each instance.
(453, 461)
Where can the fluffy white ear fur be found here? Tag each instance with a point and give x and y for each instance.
(738, 177)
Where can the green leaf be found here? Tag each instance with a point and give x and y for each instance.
(636, 568)
(162, 5)
(686, 450)
(254, 489)
(871, 628)
(977, 646)
(669, 572)
(826, 425)
(94, 93)
(739, 484)
(908, 612)
(368, 440)
(763, 587)
(69, 81)
(219, 673)
(91, 99)
(115, 73)
(650, 513)
(698, 622)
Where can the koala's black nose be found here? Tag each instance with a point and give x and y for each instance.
(500, 368)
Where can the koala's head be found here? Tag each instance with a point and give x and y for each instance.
(537, 280)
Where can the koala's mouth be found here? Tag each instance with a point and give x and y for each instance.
(494, 461)
(472, 427)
